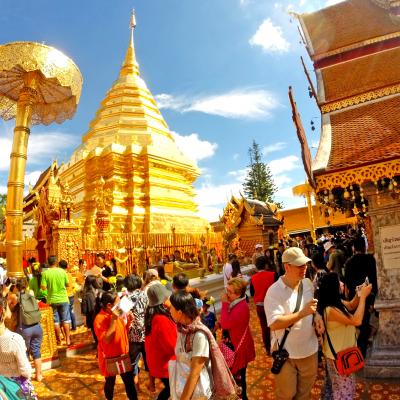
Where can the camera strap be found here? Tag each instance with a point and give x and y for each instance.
(298, 301)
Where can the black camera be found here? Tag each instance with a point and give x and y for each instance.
(10, 281)
(280, 357)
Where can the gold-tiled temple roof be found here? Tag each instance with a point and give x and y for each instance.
(345, 25)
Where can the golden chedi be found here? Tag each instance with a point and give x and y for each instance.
(129, 168)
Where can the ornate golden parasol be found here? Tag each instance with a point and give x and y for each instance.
(38, 85)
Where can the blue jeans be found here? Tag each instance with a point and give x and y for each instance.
(33, 336)
(72, 313)
(61, 313)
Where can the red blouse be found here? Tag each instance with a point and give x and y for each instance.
(160, 345)
(236, 321)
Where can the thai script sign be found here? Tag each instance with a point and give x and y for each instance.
(390, 245)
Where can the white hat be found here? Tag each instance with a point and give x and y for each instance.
(259, 246)
(328, 245)
(152, 272)
(294, 256)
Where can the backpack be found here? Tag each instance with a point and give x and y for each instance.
(10, 390)
(29, 309)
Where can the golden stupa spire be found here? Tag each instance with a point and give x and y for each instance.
(130, 65)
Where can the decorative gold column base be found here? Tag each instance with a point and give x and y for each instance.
(49, 350)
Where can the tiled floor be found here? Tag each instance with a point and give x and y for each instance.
(78, 378)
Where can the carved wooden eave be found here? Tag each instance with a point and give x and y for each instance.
(250, 209)
(32, 198)
(232, 214)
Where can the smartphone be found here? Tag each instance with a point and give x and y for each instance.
(366, 281)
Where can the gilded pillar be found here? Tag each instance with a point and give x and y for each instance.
(15, 191)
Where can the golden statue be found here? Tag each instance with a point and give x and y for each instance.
(140, 255)
(121, 256)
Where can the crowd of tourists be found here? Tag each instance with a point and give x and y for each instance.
(314, 302)
(309, 298)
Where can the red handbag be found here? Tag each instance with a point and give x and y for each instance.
(118, 365)
(347, 361)
(230, 354)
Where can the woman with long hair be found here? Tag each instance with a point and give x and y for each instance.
(340, 325)
(112, 335)
(160, 341)
(236, 271)
(15, 368)
(235, 319)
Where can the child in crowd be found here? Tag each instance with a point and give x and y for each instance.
(208, 317)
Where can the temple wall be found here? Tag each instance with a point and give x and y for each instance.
(384, 210)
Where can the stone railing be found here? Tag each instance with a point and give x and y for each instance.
(213, 284)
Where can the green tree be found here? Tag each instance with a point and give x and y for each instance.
(259, 183)
(3, 202)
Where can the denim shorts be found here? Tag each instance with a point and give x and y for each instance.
(61, 313)
(33, 336)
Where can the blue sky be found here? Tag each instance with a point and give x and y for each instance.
(219, 70)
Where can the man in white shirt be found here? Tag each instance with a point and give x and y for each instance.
(297, 376)
(227, 270)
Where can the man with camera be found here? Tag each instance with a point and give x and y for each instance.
(289, 306)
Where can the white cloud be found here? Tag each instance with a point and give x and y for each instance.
(168, 101)
(3, 189)
(281, 180)
(193, 147)
(237, 104)
(213, 195)
(42, 147)
(309, 5)
(332, 2)
(239, 174)
(270, 38)
(236, 156)
(284, 164)
(213, 198)
(273, 147)
(240, 103)
(32, 177)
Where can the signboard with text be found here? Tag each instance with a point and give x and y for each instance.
(390, 245)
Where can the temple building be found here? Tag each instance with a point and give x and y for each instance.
(355, 49)
(296, 220)
(247, 222)
(128, 174)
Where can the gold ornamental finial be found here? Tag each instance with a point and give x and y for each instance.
(133, 20)
(130, 65)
